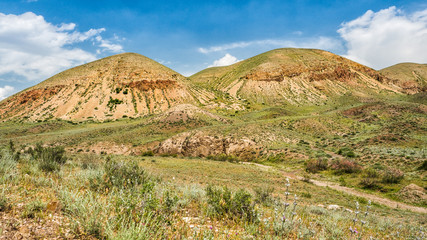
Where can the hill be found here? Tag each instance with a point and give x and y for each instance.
(411, 77)
(126, 84)
(295, 76)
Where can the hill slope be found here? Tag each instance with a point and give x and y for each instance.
(412, 77)
(124, 84)
(296, 76)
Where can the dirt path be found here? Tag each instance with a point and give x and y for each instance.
(374, 198)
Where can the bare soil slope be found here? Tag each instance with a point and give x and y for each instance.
(411, 77)
(295, 76)
(126, 84)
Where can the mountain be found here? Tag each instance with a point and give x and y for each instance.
(126, 84)
(295, 76)
(411, 77)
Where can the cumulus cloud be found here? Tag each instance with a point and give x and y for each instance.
(228, 59)
(326, 43)
(34, 49)
(6, 91)
(389, 36)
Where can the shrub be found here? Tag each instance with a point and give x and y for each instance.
(281, 157)
(392, 175)
(423, 166)
(113, 102)
(124, 174)
(4, 205)
(170, 201)
(369, 183)
(371, 173)
(238, 205)
(148, 153)
(345, 166)
(264, 195)
(223, 158)
(49, 158)
(316, 165)
(347, 152)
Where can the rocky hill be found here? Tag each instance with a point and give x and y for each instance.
(411, 77)
(295, 76)
(126, 84)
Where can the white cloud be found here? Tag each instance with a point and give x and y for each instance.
(381, 39)
(6, 91)
(225, 61)
(317, 42)
(108, 46)
(35, 49)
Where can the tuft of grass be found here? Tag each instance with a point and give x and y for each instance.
(34, 209)
(4, 204)
(8, 170)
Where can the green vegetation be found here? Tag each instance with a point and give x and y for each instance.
(122, 197)
(113, 102)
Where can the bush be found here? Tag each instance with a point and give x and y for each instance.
(147, 153)
(423, 166)
(370, 173)
(113, 102)
(124, 175)
(316, 165)
(264, 195)
(369, 183)
(49, 158)
(4, 205)
(392, 175)
(281, 157)
(345, 166)
(223, 203)
(347, 152)
(223, 158)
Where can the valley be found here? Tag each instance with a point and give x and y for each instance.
(124, 147)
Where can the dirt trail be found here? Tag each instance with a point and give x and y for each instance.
(374, 198)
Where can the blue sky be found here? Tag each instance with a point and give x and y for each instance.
(39, 38)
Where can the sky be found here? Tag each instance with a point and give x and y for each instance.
(40, 38)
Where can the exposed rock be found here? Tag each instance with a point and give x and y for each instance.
(333, 207)
(199, 144)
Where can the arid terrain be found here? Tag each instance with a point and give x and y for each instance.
(288, 144)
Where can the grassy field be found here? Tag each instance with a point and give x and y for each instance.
(125, 197)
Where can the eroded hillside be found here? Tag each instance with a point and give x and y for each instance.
(122, 85)
(295, 76)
